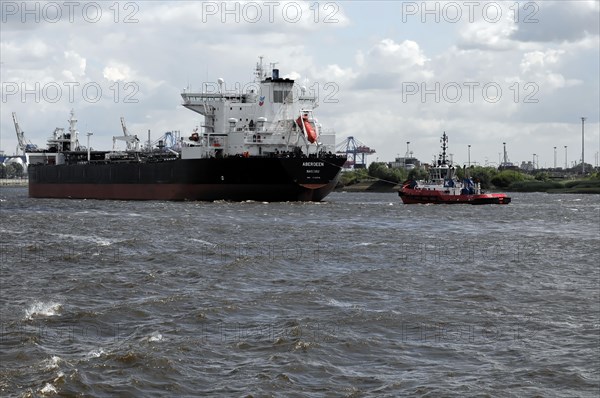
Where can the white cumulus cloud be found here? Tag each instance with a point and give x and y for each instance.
(117, 72)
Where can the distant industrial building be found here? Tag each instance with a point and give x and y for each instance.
(407, 163)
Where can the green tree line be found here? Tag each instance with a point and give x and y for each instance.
(11, 170)
(488, 177)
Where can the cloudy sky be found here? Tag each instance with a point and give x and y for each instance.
(385, 72)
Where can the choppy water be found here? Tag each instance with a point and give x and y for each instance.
(356, 296)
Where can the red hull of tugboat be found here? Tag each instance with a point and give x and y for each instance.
(424, 196)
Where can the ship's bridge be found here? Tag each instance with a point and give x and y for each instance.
(203, 103)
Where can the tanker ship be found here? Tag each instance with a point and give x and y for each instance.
(264, 144)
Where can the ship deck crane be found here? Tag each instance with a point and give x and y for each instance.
(131, 141)
(355, 151)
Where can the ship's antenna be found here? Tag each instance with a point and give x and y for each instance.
(259, 73)
(205, 81)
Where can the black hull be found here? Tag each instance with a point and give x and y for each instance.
(232, 178)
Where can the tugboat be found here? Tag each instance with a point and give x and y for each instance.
(263, 144)
(442, 186)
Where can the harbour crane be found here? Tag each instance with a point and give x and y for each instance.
(23, 145)
(355, 152)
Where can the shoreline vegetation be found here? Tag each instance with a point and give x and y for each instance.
(379, 178)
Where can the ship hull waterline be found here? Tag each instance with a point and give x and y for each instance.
(200, 192)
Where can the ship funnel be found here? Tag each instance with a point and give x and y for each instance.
(220, 81)
(275, 74)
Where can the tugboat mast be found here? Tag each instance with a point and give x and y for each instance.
(444, 141)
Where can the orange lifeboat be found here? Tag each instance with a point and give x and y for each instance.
(310, 131)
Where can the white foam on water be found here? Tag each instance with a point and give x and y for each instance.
(10, 231)
(48, 389)
(41, 309)
(52, 363)
(336, 303)
(95, 353)
(206, 243)
(155, 336)
(88, 239)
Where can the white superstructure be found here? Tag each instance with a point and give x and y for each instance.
(273, 116)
